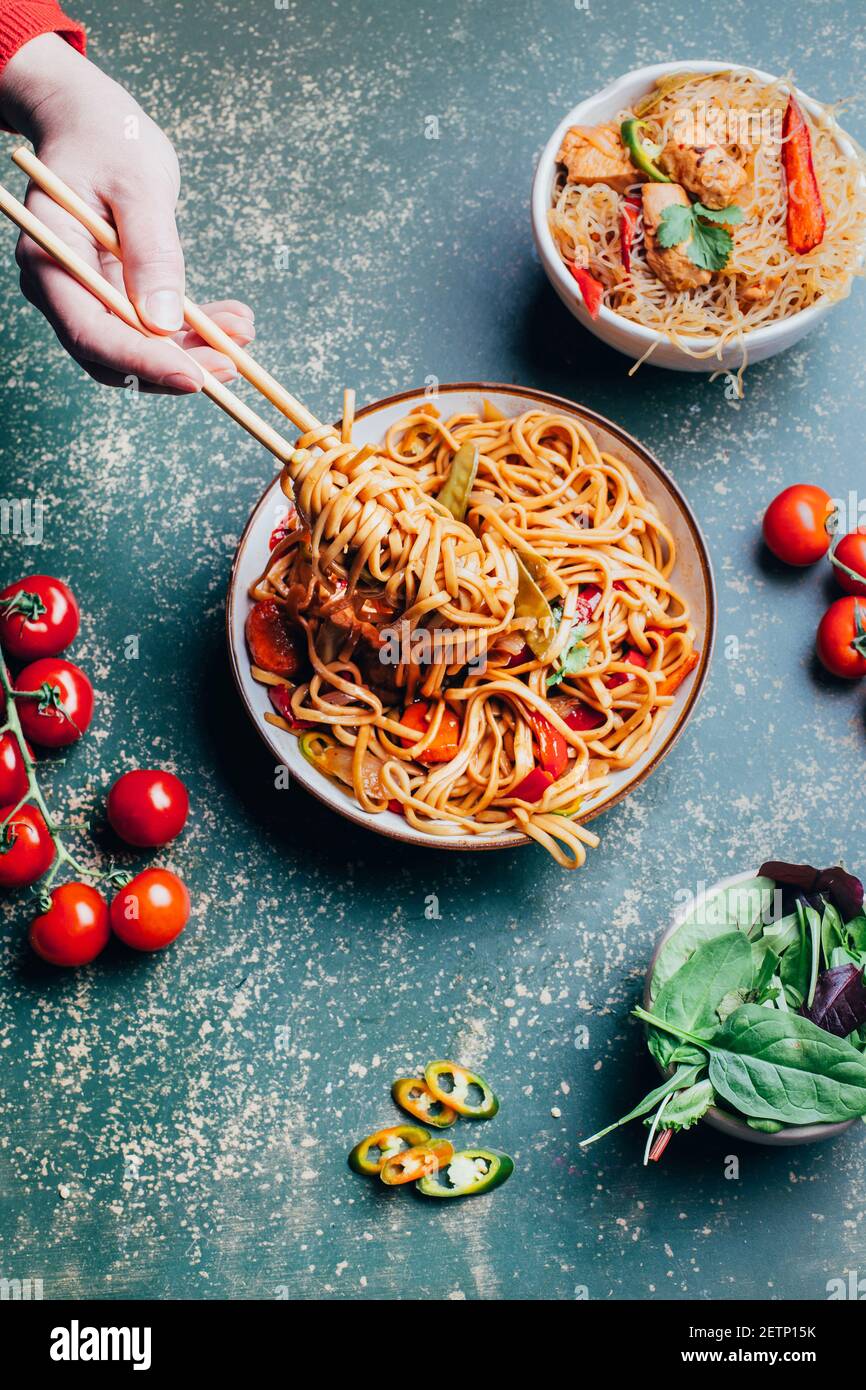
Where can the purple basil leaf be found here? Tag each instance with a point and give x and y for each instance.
(839, 1006)
(843, 889)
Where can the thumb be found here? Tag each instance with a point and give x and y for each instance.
(152, 258)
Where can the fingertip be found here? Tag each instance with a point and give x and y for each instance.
(182, 382)
(161, 311)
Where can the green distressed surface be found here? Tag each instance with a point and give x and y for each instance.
(198, 1106)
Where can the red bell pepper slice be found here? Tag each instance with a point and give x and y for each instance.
(583, 718)
(519, 658)
(533, 786)
(634, 658)
(552, 747)
(806, 220)
(281, 699)
(587, 602)
(674, 682)
(627, 226)
(592, 290)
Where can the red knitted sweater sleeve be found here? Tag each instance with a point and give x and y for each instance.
(22, 20)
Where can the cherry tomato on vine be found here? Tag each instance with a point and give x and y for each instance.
(148, 807)
(47, 725)
(842, 638)
(26, 847)
(151, 910)
(13, 773)
(74, 929)
(38, 617)
(849, 554)
(795, 524)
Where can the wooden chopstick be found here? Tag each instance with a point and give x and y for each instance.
(118, 303)
(204, 326)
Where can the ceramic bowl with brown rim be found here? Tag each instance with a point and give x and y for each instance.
(715, 1117)
(693, 576)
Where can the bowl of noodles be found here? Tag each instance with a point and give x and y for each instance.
(700, 215)
(517, 660)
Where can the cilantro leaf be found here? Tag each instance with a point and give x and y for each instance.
(710, 247)
(573, 659)
(731, 215)
(706, 244)
(676, 225)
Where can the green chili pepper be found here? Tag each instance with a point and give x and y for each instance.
(531, 603)
(469, 1095)
(454, 493)
(414, 1096)
(421, 1161)
(387, 1143)
(640, 155)
(468, 1174)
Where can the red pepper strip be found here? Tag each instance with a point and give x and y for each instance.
(587, 602)
(806, 221)
(675, 681)
(627, 225)
(533, 786)
(584, 718)
(592, 290)
(552, 747)
(620, 585)
(396, 807)
(634, 658)
(281, 699)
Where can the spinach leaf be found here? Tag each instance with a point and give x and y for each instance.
(776, 1066)
(795, 965)
(855, 930)
(739, 906)
(687, 1106)
(832, 931)
(682, 1077)
(692, 997)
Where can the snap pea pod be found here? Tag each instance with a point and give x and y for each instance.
(454, 493)
(531, 603)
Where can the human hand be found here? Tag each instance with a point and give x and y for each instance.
(94, 136)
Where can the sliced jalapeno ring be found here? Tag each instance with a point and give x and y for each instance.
(468, 1174)
(464, 1092)
(415, 1097)
(418, 1162)
(370, 1156)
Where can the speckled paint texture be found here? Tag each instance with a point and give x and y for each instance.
(178, 1126)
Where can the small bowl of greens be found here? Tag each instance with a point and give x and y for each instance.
(755, 1006)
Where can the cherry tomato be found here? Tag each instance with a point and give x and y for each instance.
(44, 617)
(842, 638)
(850, 552)
(795, 524)
(274, 645)
(148, 808)
(26, 848)
(13, 773)
(49, 727)
(151, 910)
(74, 929)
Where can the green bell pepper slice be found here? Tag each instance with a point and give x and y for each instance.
(387, 1143)
(640, 155)
(468, 1174)
(460, 1089)
(415, 1097)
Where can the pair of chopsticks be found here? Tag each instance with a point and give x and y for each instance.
(195, 318)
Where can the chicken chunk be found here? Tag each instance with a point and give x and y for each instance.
(707, 171)
(671, 264)
(596, 154)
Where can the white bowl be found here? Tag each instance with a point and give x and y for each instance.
(618, 332)
(693, 575)
(720, 1119)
